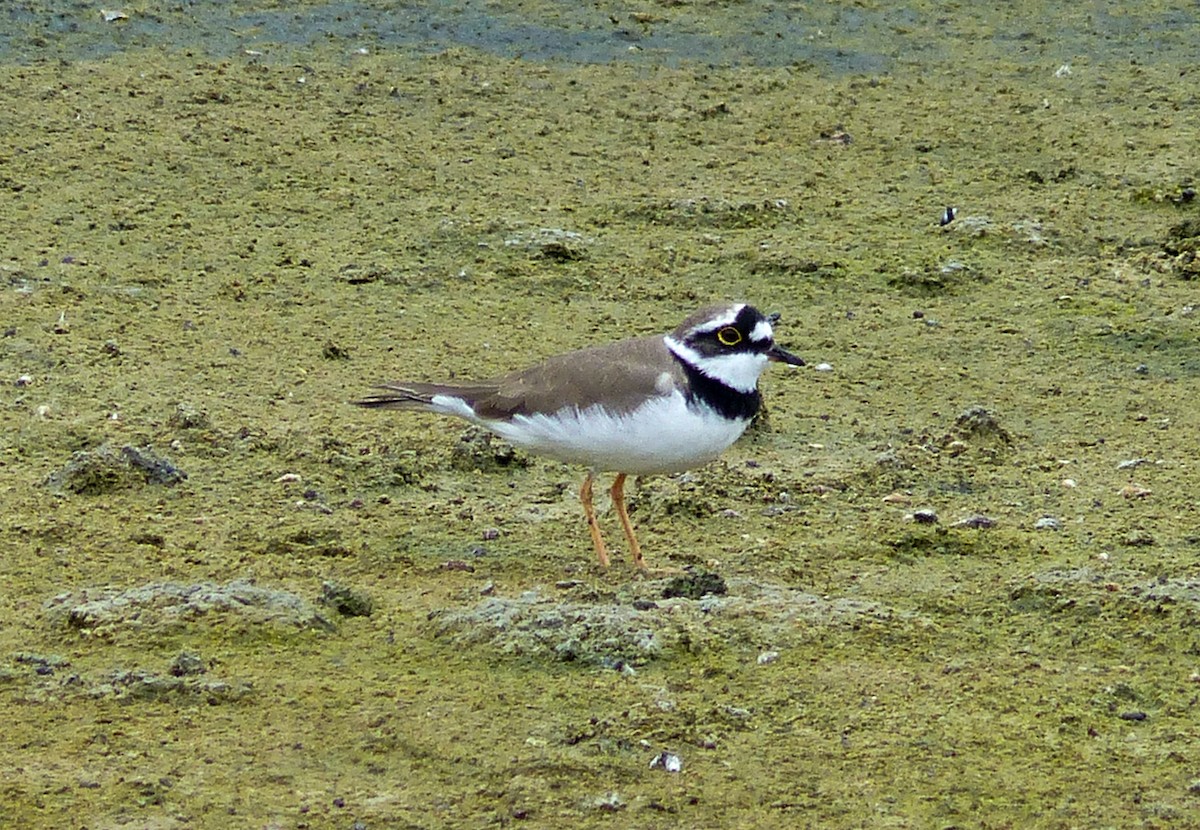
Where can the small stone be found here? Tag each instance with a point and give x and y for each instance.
(1135, 491)
(924, 516)
(1047, 523)
(976, 522)
(187, 663)
(957, 448)
(979, 422)
(768, 657)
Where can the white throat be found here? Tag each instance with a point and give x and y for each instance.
(737, 370)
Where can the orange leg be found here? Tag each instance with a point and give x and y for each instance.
(585, 496)
(618, 499)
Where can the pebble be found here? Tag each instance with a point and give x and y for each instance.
(187, 663)
(978, 522)
(1047, 523)
(925, 516)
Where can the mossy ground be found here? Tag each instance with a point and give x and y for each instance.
(212, 256)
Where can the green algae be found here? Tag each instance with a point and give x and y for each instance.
(188, 236)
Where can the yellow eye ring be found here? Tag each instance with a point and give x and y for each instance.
(729, 336)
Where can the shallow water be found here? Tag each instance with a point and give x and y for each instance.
(842, 38)
(210, 252)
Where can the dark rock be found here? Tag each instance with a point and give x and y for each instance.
(107, 468)
(187, 663)
(695, 586)
(345, 600)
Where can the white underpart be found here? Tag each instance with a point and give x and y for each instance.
(737, 370)
(450, 405)
(664, 435)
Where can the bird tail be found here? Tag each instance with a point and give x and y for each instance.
(401, 396)
(443, 398)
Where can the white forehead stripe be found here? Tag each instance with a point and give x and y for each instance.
(728, 319)
(762, 333)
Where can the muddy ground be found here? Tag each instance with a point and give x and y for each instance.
(953, 577)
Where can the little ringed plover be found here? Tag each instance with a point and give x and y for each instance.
(656, 404)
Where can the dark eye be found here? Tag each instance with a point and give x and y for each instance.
(729, 336)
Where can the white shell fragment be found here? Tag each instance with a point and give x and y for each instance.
(668, 761)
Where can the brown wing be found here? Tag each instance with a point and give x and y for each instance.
(619, 375)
